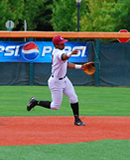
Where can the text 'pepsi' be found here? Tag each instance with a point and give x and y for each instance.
(38, 51)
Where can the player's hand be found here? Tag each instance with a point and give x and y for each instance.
(68, 55)
(75, 51)
(82, 67)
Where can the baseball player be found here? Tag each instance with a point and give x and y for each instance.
(59, 82)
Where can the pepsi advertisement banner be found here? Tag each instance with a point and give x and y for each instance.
(39, 52)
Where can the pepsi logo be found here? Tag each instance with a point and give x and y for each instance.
(30, 51)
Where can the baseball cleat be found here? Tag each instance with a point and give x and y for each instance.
(79, 123)
(31, 103)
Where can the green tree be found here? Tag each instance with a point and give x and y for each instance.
(64, 17)
(36, 13)
(44, 16)
(107, 15)
(30, 12)
(95, 19)
(10, 10)
(3, 14)
(121, 15)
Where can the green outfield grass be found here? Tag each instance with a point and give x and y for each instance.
(100, 150)
(94, 101)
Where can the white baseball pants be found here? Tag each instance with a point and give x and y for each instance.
(57, 88)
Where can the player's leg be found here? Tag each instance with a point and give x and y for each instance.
(33, 102)
(56, 88)
(57, 94)
(70, 93)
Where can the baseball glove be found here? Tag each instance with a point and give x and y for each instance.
(89, 68)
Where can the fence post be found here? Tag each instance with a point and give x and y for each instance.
(97, 54)
(31, 70)
(31, 73)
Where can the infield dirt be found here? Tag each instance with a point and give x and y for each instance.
(56, 130)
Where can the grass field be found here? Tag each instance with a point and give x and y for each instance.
(99, 150)
(94, 101)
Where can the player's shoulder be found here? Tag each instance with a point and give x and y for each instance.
(58, 52)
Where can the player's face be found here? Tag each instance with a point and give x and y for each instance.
(60, 46)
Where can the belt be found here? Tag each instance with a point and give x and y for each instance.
(59, 78)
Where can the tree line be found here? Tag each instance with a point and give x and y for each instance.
(61, 15)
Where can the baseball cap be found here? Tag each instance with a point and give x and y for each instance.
(58, 40)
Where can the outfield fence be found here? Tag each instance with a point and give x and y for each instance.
(112, 60)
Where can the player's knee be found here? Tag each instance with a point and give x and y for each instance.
(74, 99)
(55, 106)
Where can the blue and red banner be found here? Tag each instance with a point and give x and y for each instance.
(38, 52)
